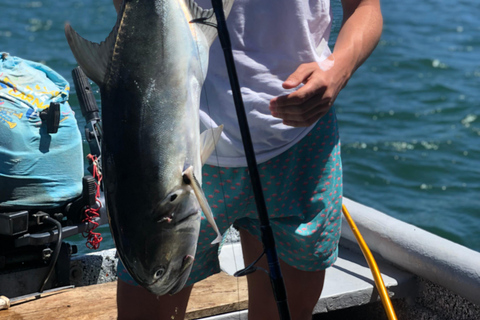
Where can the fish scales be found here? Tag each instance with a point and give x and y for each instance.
(150, 71)
(151, 127)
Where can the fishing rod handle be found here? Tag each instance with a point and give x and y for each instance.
(86, 98)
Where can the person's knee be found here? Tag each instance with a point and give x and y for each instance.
(303, 287)
(303, 290)
(136, 302)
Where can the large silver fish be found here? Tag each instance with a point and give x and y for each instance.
(150, 71)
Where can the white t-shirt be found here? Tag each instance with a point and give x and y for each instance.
(270, 39)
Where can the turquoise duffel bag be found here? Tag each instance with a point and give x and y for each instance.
(39, 169)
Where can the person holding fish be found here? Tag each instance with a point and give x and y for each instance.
(290, 80)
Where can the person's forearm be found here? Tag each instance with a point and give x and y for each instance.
(359, 34)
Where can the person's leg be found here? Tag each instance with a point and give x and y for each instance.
(135, 302)
(303, 287)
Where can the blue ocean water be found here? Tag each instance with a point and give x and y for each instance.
(409, 117)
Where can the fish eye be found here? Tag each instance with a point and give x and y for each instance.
(159, 273)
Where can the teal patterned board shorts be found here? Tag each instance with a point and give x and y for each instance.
(303, 193)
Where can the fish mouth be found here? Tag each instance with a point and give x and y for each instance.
(181, 279)
(183, 276)
(179, 284)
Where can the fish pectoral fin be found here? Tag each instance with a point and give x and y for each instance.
(207, 18)
(208, 141)
(92, 57)
(190, 179)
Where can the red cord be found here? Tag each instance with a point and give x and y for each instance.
(93, 238)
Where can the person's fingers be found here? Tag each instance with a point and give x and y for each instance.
(309, 102)
(299, 76)
(297, 111)
(311, 91)
(307, 120)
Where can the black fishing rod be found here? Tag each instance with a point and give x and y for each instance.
(268, 240)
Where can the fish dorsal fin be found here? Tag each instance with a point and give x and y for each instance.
(202, 200)
(92, 57)
(208, 141)
(208, 18)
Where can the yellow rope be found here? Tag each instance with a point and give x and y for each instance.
(382, 290)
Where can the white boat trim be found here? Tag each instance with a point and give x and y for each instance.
(422, 253)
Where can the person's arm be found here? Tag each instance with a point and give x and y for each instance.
(358, 37)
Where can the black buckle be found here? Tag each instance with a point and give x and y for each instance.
(51, 115)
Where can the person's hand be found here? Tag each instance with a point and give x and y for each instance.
(313, 100)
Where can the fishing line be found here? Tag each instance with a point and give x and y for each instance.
(219, 172)
(276, 278)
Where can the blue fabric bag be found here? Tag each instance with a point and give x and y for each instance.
(38, 170)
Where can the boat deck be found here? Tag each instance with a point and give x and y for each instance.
(97, 302)
(348, 283)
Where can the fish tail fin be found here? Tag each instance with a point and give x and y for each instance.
(92, 57)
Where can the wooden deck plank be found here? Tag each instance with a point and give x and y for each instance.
(91, 302)
(217, 294)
